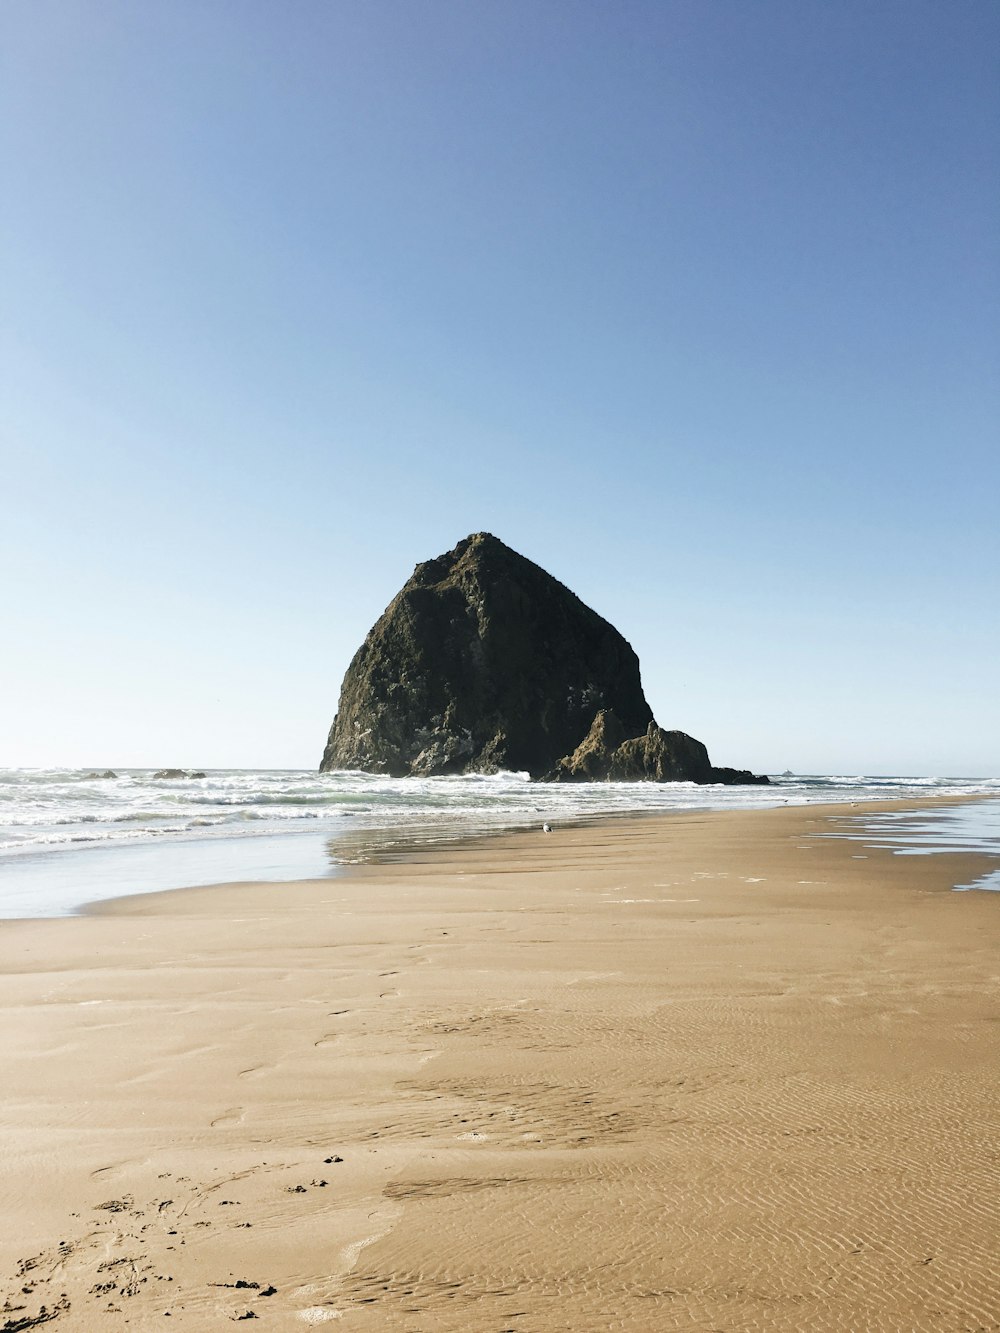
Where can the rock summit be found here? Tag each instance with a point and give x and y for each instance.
(484, 662)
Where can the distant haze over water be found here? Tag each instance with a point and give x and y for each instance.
(68, 837)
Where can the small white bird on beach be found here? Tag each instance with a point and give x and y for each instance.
(546, 828)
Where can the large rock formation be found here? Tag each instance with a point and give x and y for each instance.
(484, 662)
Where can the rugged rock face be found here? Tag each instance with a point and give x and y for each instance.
(484, 662)
(591, 760)
(608, 754)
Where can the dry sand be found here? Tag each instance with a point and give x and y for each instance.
(702, 1072)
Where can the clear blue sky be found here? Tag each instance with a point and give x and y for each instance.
(693, 302)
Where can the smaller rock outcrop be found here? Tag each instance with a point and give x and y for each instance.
(173, 773)
(108, 773)
(609, 754)
(591, 760)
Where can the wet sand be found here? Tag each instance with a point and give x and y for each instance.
(701, 1072)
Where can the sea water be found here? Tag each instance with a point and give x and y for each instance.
(68, 837)
(949, 828)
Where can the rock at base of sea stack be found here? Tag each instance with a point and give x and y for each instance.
(484, 662)
(608, 754)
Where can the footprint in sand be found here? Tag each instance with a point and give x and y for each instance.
(233, 1116)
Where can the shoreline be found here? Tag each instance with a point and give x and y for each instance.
(108, 841)
(440, 852)
(700, 1069)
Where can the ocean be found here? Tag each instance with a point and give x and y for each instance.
(69, 837)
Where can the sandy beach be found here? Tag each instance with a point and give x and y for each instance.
(707, 1071)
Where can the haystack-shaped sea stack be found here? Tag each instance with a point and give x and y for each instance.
(484, 662)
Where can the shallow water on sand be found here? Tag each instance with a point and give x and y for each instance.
(951, 828)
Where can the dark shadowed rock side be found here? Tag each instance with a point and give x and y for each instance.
(484, 662)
